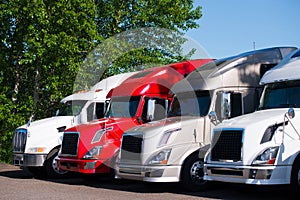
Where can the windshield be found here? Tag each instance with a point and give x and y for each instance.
(123, 106)
(71, 108)
(194, 103)
(281, 95)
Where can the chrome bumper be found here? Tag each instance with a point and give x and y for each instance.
(256, 175)
(149, 173)
(29, 160)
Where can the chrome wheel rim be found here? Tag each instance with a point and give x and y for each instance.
(196, 173)
(55, 167)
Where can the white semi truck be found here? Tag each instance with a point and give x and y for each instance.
(262, 148)
(167, 150)
(36, 144)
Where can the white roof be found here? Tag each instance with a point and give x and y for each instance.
(287, 69)
(100, 89)
(111, 82)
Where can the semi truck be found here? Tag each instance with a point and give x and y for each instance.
(92, 148)
(173, 149)
(36, 144)
(262, 148)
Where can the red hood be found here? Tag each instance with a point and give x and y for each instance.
(93, 125)
(114, 127)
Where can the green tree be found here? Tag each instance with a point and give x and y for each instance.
(176, 16)
(43, 44)
(48, 45)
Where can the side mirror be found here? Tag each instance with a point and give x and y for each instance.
(291, 113)
(223, 106)
(150, 109)
(213, 117)
(106, 103)
(166, 106)
(228, 105)
(30, 120)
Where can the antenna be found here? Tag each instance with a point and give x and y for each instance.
(254, 45)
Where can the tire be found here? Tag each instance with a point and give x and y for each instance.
(51, 167)
(192, 174)
(295, 177)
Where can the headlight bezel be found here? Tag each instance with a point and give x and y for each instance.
(37, 150)
(160, 158)
(93, 153)
(267, 156)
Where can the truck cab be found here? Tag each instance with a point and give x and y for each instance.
(262, 148)
(168, 150)
(36, 144)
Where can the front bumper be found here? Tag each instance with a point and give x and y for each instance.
(29, 160)
(255, 175)
(168, 173)
(83, 166)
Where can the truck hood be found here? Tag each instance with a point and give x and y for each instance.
(101, 132)
(180, 131)
(257, 118)
(46, 133)
(48, 124)
(254, 127)
(163, 125)
(104, 123)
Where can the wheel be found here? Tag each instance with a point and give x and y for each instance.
(295, 176)
(192, 174)
(52, 169)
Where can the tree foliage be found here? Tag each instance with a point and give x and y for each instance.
(42, 47)
(175, 16)
(45, 44)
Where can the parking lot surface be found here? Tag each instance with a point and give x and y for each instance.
(16, 184)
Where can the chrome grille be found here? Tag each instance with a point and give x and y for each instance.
(227, 145)
(19, 140)
(69, 144)
(131, 148)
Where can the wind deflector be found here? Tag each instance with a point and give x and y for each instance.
(141, 74)
(296, 54)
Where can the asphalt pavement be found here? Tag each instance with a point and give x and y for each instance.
(16, 184)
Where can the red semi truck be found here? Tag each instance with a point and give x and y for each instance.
(144, 97)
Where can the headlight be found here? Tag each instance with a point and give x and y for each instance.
(267, 157)
(94, 153)
(37, 150)
(161, 158)
(164, 139)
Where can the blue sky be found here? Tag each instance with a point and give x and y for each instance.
(230, 27)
